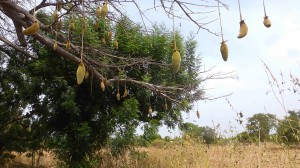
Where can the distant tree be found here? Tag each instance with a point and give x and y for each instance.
(150, 133)
(289, 129)
(261, 124)
(206, 133)
(243, 137)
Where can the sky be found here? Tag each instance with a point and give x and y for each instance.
(278, 47)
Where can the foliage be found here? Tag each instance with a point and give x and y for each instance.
(244, 137)
(289, 129)
(43, 108)
(260, 125)
(206, 133)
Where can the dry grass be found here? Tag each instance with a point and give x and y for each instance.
(46, 160)
(189, 154)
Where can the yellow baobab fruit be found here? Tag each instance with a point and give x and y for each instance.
(109, 35)
(86, 75)
(176, 59)
(150, 110)
(80, 73)
(125, 92)
(102, 85)
(59, 5)
(72, 26)
(103, 41)
(267, 22)
(68, 44)
(224, 50)
(55, 45)
(104, 10)
(32, 29)
(116, 44)
(243, 29)
(118, 96)
(106, 82)
(96, 25)
(98, 11)
(55, 15)
(198, 114)
(59, 25)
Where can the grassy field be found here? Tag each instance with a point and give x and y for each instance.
(188, 154)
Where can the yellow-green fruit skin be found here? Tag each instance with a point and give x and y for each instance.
(118, 96)
(55, 46)
(125, 93)
(59, 5)
(267, 22)
(116, 44)
(104, 10)
(32, 29)
(86, 76)
(224, 51)
(243, 29)
(80, 73)
(102, 86)
(59, 25)
(55, 15)
(176, 60)
(109, 35)
(98, 12)
(68, 44)
(72, 26)
(96, 25)
(150, 110)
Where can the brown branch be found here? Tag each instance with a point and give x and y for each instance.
(194, 21)
(6, 41)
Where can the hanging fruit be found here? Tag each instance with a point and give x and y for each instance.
(55, 45)
(59, 25)
(198, 114)
(125, 92)
(55, 15)
(104, 10)
(96, 25)
(98, 11)
(68, 44)
(243, 26)
(86, 75)
(59, 5)
(150, 110)
(102, 85)
(118, 93)
(106, 82)
(176, 59)
(109, 35)
(267, 22)
(103, 41)
(72, 26)
(116, 44)
(80, 73)
(243, 29)
(224, 50)
(32, 29)
(118, 96)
